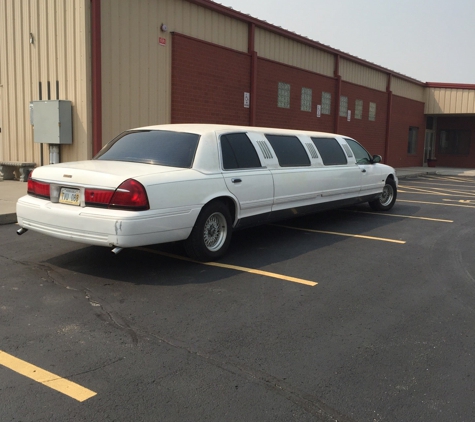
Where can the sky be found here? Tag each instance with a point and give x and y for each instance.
(428, 40)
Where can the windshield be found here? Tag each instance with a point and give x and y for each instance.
(159, 147)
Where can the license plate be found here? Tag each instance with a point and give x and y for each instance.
(69, 196)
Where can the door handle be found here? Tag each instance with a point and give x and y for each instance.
(363, 170)
(236, 180)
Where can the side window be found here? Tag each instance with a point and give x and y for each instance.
(238, 152)
(289, 150)
(361, 155)
(330, 151)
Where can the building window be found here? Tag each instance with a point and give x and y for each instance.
(306, 101)
(372, 112)
(358, 109)
(343, 106)
(454, 142)
(283, 99)
(326, 103)
(412, 140)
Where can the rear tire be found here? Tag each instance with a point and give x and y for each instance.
(211, 234)
(387, 198)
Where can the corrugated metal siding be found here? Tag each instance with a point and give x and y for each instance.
(449, 101)
(136, 69)
(278, 48)
(361, 75)
(60, 52)
(407, 89)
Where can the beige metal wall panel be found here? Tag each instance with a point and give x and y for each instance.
(59, 51)
(284, 50)
(407, 89)
(362, 75)
(449, 101)
(136, 67)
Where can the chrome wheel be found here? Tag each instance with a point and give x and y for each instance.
(386, 200)
(387, 195)
(215, 231)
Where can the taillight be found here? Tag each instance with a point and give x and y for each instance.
(97, 197)
(130, 195)
(36, 188)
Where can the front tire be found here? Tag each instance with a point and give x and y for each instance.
(387, 198)
(211, 234)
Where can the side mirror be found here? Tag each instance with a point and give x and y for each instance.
(377, 159)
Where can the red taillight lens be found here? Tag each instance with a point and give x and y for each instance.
(36, 188)
(130, 195)
(98, 197)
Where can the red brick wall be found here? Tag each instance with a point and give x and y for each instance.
(404, 114)
(208, 83)
(371, 134)
(269, 74)
(456, 123)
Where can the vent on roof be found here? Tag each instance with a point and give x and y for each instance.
(265, 150)
(313, 151)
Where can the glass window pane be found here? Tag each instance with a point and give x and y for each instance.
(330, 151)
(238, 152)
(289, 150)
(165, 148)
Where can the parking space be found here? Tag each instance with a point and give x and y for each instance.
(345, 315)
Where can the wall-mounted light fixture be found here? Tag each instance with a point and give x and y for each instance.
(32, 38)
(164, 27)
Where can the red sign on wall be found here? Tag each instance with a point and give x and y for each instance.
(162, 41)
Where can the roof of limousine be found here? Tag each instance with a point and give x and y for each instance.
(201, 129)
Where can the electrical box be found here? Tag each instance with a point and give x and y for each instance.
(52, 121)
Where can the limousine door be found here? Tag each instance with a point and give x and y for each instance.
(341, 178)
(245, 177)
(371, 181)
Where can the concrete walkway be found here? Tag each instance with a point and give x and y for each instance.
(11, 190)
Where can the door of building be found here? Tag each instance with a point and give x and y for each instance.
(429, 148)
(1, 128)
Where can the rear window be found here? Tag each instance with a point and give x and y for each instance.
(330, 151)
(159, 147)
(289, 150)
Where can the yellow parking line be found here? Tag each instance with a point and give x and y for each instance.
(436, 203)
(234, 267)
(419, 190)
(403, 216)
(46, 378)
(359, 236)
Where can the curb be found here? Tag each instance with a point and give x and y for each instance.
(8, 218)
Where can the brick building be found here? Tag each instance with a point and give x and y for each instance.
(131, 63)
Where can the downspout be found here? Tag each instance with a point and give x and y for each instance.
(253, 53)
(338, 93)
(96, 76)
(388, 119)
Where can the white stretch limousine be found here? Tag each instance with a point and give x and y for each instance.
(197, 183)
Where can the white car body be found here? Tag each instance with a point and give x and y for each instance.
(177, 195)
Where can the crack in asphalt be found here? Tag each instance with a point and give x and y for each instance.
(308, 402)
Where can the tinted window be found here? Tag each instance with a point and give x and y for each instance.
(289, 150)
(238, 152)
(173, 149)
(361, 155)
(330, 151)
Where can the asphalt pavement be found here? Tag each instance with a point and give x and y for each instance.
(12, 190)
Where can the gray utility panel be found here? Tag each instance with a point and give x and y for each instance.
(52, 121)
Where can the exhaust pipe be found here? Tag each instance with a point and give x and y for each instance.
(117, 250)
(19, 232)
